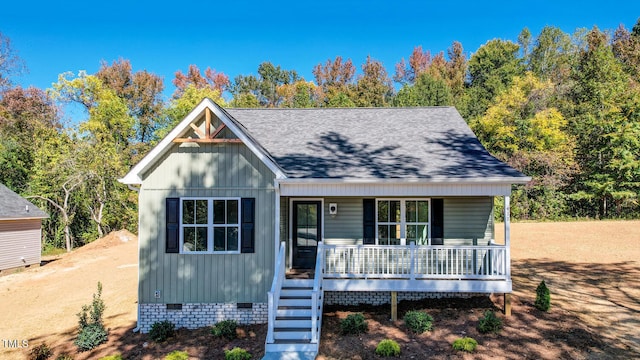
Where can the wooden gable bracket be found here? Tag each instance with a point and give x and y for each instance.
(207, 136)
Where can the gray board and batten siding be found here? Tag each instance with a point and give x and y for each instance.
(465, 219)
(206, 170)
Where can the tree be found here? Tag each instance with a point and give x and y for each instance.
(335, 79)
(552, 55)
(626, 48)
(606, 123)
(428, 90)
(373, 88)
(27, 116)
(525, 130)
(264, 86)
(142, 93)
(300, 94)
(10, 63)
(419, 62)
(491, 70)
(211, 79)
(456, 69)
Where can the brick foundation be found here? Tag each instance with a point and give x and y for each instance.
(193, 316)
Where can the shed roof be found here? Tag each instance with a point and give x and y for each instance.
(429, 143)
(14, 206)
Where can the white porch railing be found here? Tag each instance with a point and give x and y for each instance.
(415, 262)
(274, 293)
(317, 296)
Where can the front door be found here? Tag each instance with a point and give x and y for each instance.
(306, 233)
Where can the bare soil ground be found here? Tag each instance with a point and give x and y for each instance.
(592, 269)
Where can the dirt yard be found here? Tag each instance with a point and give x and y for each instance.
(592, 269)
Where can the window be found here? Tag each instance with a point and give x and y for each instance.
(400, 222)
(210, 225)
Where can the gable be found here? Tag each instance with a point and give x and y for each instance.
(14, 206)
(206, 124)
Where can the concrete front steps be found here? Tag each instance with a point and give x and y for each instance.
(292, 328)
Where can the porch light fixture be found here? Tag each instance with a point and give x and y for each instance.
(333, 209)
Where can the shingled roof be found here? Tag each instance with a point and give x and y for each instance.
(373, 143)
(14, 206)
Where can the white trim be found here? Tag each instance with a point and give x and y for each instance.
(290, 223)
(276, 187)
(391, 189)
(450, 285)
(134, 175)
(210, 225)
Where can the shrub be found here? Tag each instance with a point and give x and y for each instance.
(91, 331)
(489, 323)
(388, 348)
(177, 355)
(161, 330)
(112, 357)
(237, 354)
(354, 324)
(64, 357)
(226, 329)
(40, 352)
(465, 344)
(543, 297)
(91, 336)
(418, 321)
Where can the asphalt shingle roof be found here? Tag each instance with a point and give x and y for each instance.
(372, 143)
(14, 206)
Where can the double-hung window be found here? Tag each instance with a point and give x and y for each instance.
(402, 221)
(210, 225)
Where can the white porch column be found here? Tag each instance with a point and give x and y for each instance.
(507, 233)
(507, 245)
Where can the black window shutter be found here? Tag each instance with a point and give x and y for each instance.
(368, 221)
(173, 225)
(437, 221)
(248, 243)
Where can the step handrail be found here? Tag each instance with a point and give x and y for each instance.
(317, 295)
(274, 293)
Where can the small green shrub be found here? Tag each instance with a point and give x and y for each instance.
(162, 330)
(489, 323)
(388, 347)
(465, 344)
(354, 324)
(177, 355)
(237, 354)
(543, 297)
(64, 357)
(91, 331)
(226, 329)
(40, 352)
(418, 321)
(112, 357)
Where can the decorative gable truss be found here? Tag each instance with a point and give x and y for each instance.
(204, 135)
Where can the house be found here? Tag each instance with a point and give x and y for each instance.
(20, 230)
(378, 204)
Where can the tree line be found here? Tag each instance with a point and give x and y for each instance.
(562, 108)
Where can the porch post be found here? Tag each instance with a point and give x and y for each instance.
(394, 306)
(507, 244)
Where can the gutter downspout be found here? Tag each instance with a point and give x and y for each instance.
(137, 328)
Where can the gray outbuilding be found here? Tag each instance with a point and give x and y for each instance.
(20, 230)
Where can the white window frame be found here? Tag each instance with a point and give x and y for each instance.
(403, 219)
(211, 225)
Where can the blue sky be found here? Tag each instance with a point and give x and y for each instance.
(236, 36)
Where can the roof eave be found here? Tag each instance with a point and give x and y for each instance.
(438, 180)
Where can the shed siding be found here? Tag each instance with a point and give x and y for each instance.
(468, 218)
(19, 239)
(206, 170)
